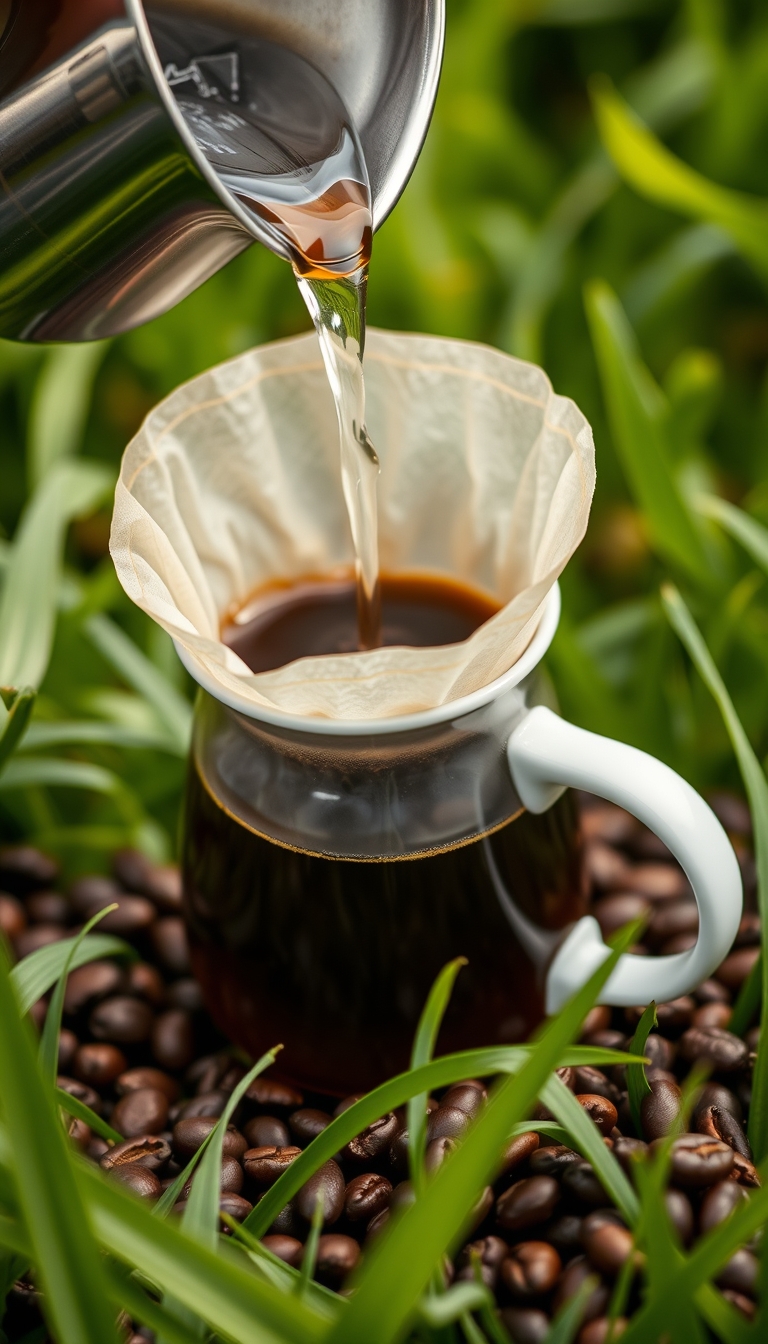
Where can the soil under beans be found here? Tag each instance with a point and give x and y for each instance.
(138, 1047)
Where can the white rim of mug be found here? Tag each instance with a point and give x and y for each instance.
(401, 723)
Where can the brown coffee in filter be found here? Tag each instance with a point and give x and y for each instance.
(234, 480)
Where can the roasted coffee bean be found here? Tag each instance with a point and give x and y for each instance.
(658, 881)
(305, 1125)
(531, 1269)
(133, 916)
(337, 1256)
(81, 1091)
(235, 1205)
(437, 1151)
(659, 1108)
(163, 885)
(289, 1249)
(140, 1180)
(374, 1140)
(272, 1095)
(697, 1161)
(92, 893)
(447, 1122)
(565, 1234)
(607, 1242)
(627, 1150)
(487, 1254)
(527, 1203)
(287, 1223)
(720, 1124)
(24, 869)
(403, 1196)
(607, 1039)
(366, 1195)
(600, 1110)
(606, 867)
(716, 1094)
(734, 970)
(346, 1102)
(121, 1019)
(169, 940)
(397, 1153)
(597, 1019)
(130, 868)
(731, 811)
(580, 1180)
(552, 1159)
(518, 1150)
(711, 991)
(721, 1050)
(602, 1329)
(743, 1304)
(605, 821)
(97, 1148)
(264, 1165)
(146, 1076)
(671, 919)
(712, 1015)
(148, 1150)
(231, 1178)
(571, 1279)
(173, 1039)
(87, 983)
(185, 993)
(189, 1134)
(48, 907)
(39, 935)
(205, 1074)
(719, 1203)
(740, 1273)
(745, 1172)
(209, 1103)
(376, 1225)
(482, 1207)
(680, 1214)
(749, 930)
(672, 1016)
(326, 1186)
(660, 1051)
(593, 1082)
(469, 1097)
(68, 1048)
(79, 1133)
(145, 982)
(144, 1111)
(13, 920)
(265, 1131)
(98, 1064)
(526, 1325)
(613, 912)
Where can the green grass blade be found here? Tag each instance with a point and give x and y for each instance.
(398, 1268)
(30, 591)
(439, 1309)
(35, 975)
(440, 1073)
(42, 735)
(748, 1001)
(423, 1049)
(60, 405)
(49, 1041)
(73, 1106)
(635, 408)
(637, 1083)
(278, 1272)
(128, 1294)
(583, 1134)
(57, 772)
(309, 1258)
(745, 530)
(127, 659)
(757, 792)
(15, 720)
(63, 1248)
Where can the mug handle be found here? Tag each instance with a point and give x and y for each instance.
(546, 755)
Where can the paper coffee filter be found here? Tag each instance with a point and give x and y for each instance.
(234, 480)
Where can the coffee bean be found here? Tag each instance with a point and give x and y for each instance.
(607, 1242)
(660, 1051)
(565, 1234)
(613, 912)
(13, 920)
(397, 1153)
(189, 1134)
(745, 1172)
(447, 1122)
(144, 1111)
(482, 1207)
(743, 1304)
(121, 1019)
(264, 1165)
(711, 991)
(594, 1083)
(605, 866)
(436, 1152)
(469, 1097)
(24, 869)
(145, 1076)
(518, 1150)
(205, 1074)
(79, 1133)
(92, 892)
(734, 970)
(376, 1225)
(721, 1050)
(287, 1223)
(581, 1181)
(47, 907)
(98, 1064)
(403, 1196)
(97, 1148)
(659, 1108)
(712, 1015)
(366, 1195)
(552, 1159)
(208, 1103)
(530, 1269)
(326, 1186)
(697, 1161)
(374, 1140)
(305, 1125)
(140, 1180)
(68, 1048)
(39, 935)
(720, 1124)
(749, 931)
(185, 993)
(230, 1178)
(487, 1254)
(719, 1203)
(169, 940)
(657, 881)
(716, 1094)
(145, 982)
(173, 1039)
(148, 1150)
(600, 1110)
(605, 821)
(598, 1019)
(337, 1256)
(81, 1091)
(346, 1102)
(731, 811)
(627, 1150)
(680, 1214)
(162, 883)
(602, 1329)
(740, 1273)
(526, 1325)
(133, 916)
(670, 920)
(87, 983)
(527, 1202)
(265, 1131)
(571, 1279)
(273, 1095)
(288, 1249)
(235, 1205)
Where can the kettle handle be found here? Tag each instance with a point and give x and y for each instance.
(546, 754)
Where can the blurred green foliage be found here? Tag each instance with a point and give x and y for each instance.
(629, 257)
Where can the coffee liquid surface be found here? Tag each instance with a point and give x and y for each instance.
(287, 621)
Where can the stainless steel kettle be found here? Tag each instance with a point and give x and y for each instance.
(109, 211)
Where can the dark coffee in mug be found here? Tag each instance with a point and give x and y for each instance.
(335, 957)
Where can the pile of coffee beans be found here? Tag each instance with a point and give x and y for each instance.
(138, 1047)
